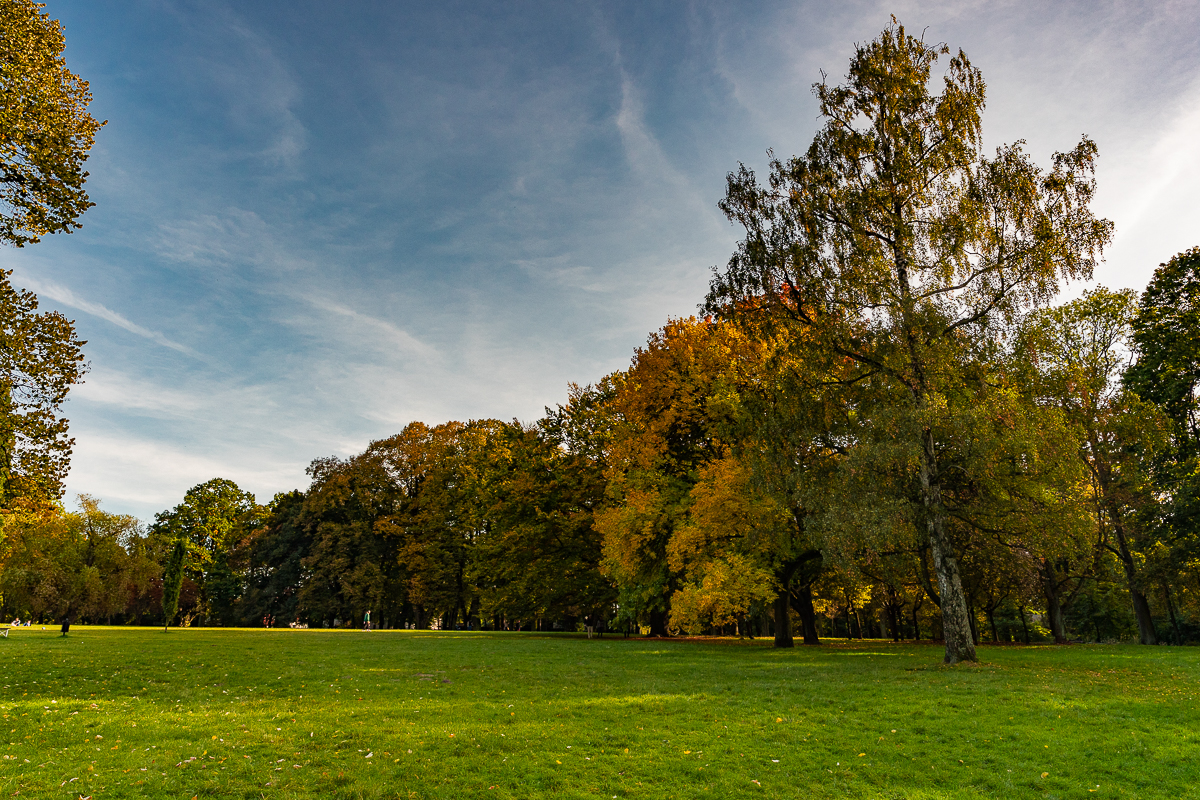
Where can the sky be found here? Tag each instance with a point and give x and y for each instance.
(318, 222)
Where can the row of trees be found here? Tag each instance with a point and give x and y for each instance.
(881, 427)
(719, 484)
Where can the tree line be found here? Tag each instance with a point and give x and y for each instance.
(880, 425)
(713, 487)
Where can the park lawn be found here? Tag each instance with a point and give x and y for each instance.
(130, 712)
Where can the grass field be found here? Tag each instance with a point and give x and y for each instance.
(111, 713)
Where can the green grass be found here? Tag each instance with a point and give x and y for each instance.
(112, 713)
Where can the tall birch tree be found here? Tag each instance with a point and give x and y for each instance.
(896, 243)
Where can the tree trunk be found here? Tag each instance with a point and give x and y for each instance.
(916, 622)
(808, 614)
(894, 619)
(1141, 610)
(1054, 610)
(1171, 611)
(783, 620)
(658, 623)
(956, 620)
(473, 614)
(1025, 627)
(1141, 606)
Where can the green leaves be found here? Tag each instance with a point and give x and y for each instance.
(40, 360)
(45, 129)
(212, 523)
(173, 581)
(895, 247)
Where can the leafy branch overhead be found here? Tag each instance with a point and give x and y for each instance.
(45, 128)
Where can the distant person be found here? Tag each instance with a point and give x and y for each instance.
(367, 621)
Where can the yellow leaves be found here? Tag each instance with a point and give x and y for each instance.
(627, 529)
(1045, 774)
(729, 587)
(46, 126)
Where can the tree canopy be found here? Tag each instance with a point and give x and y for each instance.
(40, 360)
(45, 128)
(45, 135)
(896, 244)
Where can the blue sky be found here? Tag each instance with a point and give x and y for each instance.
(317, 222)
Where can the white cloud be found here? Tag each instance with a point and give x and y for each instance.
(131, 393)
(68, 298)
(1149, 189)
(375, 333)
(150, 475)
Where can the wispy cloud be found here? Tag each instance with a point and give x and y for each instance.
(1161, 169)
(256, 84)
(65, 296)
(391, 334)
(134, 394)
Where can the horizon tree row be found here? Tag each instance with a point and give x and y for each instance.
(720, 484)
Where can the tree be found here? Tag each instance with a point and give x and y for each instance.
(275, 572)
(84, 564)
(351, 562)
(539, 554)
(391, 528)
(1082, 350)
(1166, 372)
(895, 243)
(45, 128)
(662, 433)
(45, 135)
(788, 436)
(40, 360)
(214, 519)
(1166, 339)
(454, 517)
(173, 582)
(729, 553)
